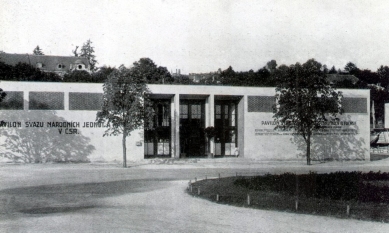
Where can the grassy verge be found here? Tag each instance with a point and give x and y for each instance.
(224, 191)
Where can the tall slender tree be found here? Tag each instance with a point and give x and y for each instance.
(125, 104)
(87, 51)
(305, 100)
(333, 70)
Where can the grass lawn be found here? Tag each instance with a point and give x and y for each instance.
(232, 194)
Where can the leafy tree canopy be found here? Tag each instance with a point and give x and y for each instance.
(150, 72)
(126, 105)
(351, 68)
(271, 65)
(305, 100)
(87, 51)
(333, 70)
(25, 72)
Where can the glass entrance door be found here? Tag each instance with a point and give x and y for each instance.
(157, 132)
(226, 128)
(192, 122)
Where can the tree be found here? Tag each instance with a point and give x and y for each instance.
(183, 79)
(75, 53)
(265, 78)
(151, 73)
(210, 132)
(271, 66)
(383, 73)
(228, 77)
(325, 69)
(102, 73)
(305, 100)
(351, 68)
(87, 51)
(81, 76)
(368, 76)
(26, 72)
(2, 95)
(333, 70)
(38, 51)
(126, 106)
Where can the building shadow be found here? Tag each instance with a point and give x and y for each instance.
(63, 198)
(37, 136)
(339, 141)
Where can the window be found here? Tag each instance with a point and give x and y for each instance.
(183, 111)
(79, 67)
(61, 66)
(196, 111)
(46, 100)
(85, 101)
(261, 103)
(163, 115)
(218, 113)
(13, 101)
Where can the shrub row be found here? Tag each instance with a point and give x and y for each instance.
(347, 186)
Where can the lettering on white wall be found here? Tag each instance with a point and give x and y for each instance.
(64, 127)
(328, 128)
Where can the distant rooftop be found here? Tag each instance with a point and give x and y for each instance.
(58, 64)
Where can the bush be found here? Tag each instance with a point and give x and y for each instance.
(345, 186)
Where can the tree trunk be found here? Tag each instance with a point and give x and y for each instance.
(309, 148)
(124, 150)
(208, 145)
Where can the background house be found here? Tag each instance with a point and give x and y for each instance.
(47, 63)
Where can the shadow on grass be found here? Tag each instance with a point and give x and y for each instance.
(52, 210)
(64, 198)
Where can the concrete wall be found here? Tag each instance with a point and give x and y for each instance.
(107, 148)
(257, 138)
(349, 139)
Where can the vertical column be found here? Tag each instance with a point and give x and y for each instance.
(66, 103)
(211, 119)
(207, 113)
(176, 126)
(242, 107)
(26, 99)
(172, 127)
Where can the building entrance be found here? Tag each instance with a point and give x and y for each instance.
(226, 128)
(157, 132)
(192, 123)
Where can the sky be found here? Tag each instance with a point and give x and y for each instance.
(202, 36)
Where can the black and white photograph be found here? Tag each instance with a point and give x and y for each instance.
(194, 116)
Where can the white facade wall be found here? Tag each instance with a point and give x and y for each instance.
(256, 136)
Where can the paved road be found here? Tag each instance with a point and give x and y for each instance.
(155, 203)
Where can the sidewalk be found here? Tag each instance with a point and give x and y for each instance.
(242, 163)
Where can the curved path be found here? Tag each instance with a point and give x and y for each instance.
(97, 202)
(170, 209)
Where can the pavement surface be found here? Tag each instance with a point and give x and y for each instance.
(151, 197)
